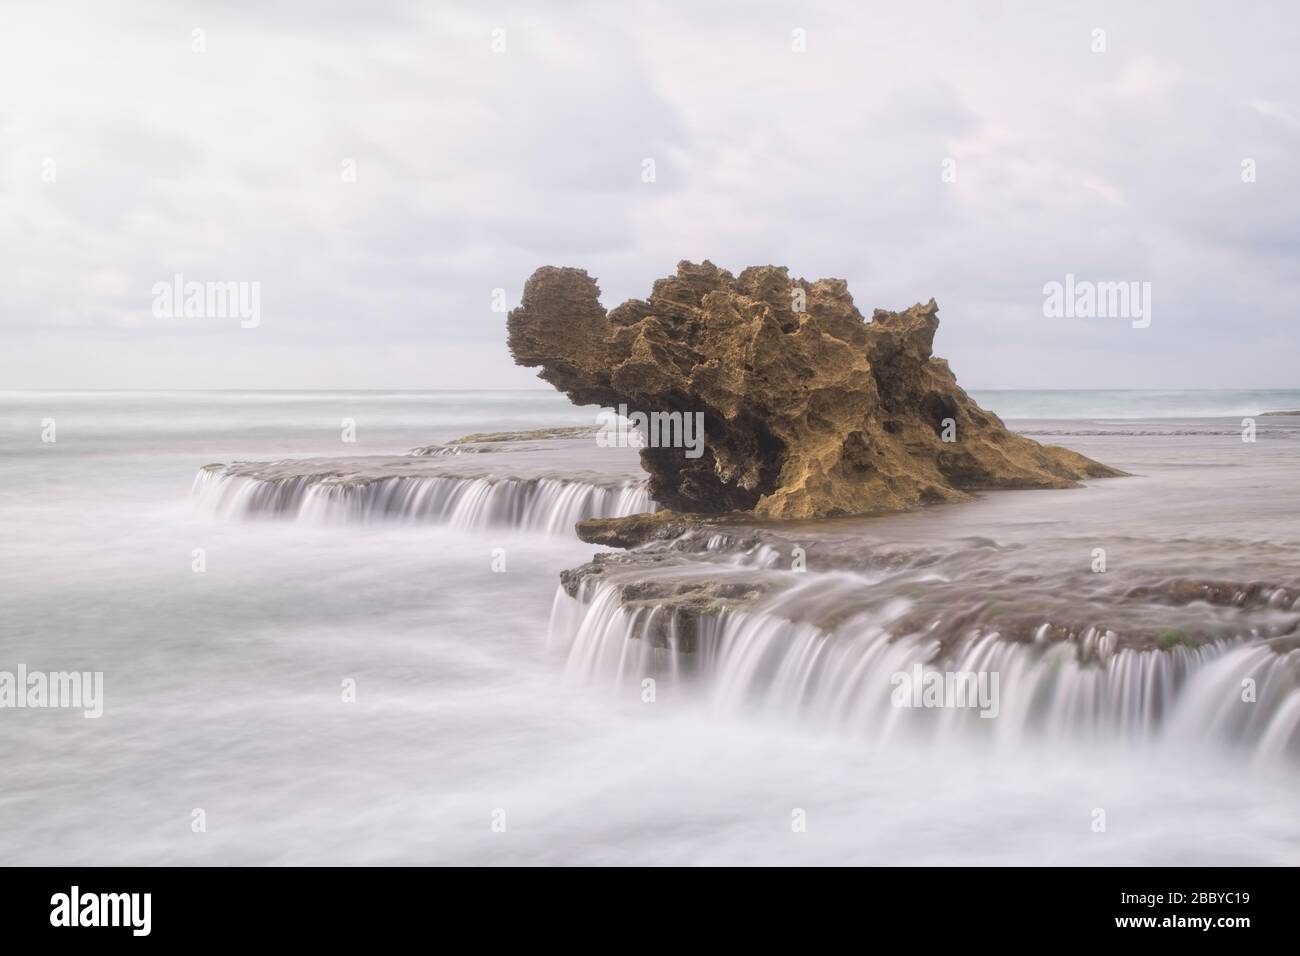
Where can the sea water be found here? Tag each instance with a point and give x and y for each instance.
(384, 692)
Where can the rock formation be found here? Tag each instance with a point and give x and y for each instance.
(809, 409)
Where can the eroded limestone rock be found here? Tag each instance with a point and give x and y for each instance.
(809, 409)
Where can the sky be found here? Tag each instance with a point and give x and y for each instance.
(387, 175)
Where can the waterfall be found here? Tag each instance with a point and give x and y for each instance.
(771, 658)
(534, 504)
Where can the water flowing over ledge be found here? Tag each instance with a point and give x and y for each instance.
(545, 480)
(1162, 611)
(549, 505)
(765, 658)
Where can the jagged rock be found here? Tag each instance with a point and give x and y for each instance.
(807, 413)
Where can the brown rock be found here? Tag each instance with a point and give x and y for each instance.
(806, 413)
(632, 531)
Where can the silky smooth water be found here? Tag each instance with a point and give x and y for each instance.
(223, 689)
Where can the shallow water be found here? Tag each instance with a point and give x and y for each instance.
(223, 688)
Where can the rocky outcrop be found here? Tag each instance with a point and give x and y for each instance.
(809, 409)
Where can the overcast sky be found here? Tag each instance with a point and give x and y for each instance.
(128, 156)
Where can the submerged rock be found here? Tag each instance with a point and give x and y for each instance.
(633, 531)
(809, 410)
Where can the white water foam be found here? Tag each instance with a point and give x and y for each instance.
(458, 709)
(760, 659)
(549, 505)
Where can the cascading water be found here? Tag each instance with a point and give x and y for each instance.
(772, 656)
(534, 504)
(458, 710)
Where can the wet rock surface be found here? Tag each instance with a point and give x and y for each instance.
(527, 480)
(966, 590)
(498, 441)
(553, 453)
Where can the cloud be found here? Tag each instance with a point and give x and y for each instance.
(473, 167)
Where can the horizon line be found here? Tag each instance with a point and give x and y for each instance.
(552, 391)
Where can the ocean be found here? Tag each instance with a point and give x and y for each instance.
(403, 689)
